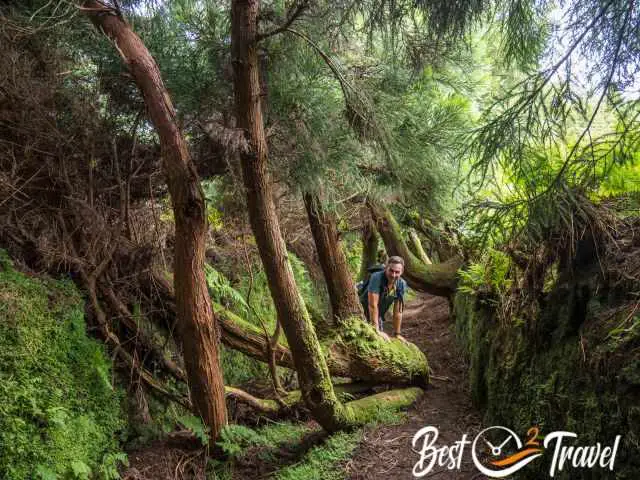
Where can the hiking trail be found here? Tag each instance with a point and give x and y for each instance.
(386, 451)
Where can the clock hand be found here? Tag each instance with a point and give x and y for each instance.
(504, 443)
(489, 443)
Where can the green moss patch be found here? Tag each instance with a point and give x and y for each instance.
(59, 414)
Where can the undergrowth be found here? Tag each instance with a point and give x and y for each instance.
(488, 277)
(251, 300)
(270, 444)
(60, 414)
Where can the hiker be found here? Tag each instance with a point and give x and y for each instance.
(383, 288)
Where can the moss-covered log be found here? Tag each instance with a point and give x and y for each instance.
(293, 399)
(437, 279)
(367, 407)
(355, 351)
(358, 411)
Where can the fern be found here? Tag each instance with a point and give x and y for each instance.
(109, 468)
(195, 426)
(222, 292)
(488, 276)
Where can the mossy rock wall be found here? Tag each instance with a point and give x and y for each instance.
(59, 412)
(574, 367)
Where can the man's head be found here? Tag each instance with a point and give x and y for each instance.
(394, 268)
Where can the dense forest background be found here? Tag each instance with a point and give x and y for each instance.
(189, 191)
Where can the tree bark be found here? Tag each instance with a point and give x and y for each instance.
(370, 241)
(313, 374)
(310, 365)
(193, 307)
(340, 286)
(437, 279)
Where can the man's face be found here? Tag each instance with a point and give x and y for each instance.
(394, 271)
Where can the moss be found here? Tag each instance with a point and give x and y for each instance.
(236, 439)
(362, 339)
(561, 370)
(368, 409)
(323, 462)
(60, 413)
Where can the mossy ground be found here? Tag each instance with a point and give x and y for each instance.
(60, 414)
(291, 451)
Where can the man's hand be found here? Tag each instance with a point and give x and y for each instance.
(400, 337)
(384, 336)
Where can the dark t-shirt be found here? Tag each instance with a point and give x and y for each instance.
(378, 283)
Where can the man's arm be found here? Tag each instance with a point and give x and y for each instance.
(373, 308)
(397, 318)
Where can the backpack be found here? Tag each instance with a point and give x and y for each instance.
(363, 285)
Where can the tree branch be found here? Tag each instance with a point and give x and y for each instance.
(293, 14)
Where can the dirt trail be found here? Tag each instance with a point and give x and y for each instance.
(386, 451)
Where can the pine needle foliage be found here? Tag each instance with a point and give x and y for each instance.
(547, 145)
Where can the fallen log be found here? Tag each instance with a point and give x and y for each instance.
(355, 350)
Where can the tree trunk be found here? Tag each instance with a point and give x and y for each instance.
(313, 374)
(193, 307)
(416, 247)
(370, 241)
(311, 367)
(340, 285)
(437, 279)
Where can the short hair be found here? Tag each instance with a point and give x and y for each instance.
(395, 260)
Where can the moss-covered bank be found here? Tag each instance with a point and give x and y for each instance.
(574, 366)
(59, 413)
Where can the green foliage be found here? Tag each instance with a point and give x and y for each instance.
(352, 247)
(488, 276)
(222, 292)
(239, 369)
(324, 461)
(252, 301)
(60, 414)
(235, 439)
(110, 463)
(213, 194)
(194, 425)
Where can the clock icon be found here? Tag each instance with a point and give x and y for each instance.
(498, 452)
(504, 436)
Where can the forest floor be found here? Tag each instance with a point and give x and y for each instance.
(386, 451)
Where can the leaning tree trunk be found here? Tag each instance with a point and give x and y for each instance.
(194, 314)
(313, 374)
(416, 247)
(370, 241)
(437, 279)
(311, 367)
(340, 286)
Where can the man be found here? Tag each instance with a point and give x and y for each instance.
(385, 288)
